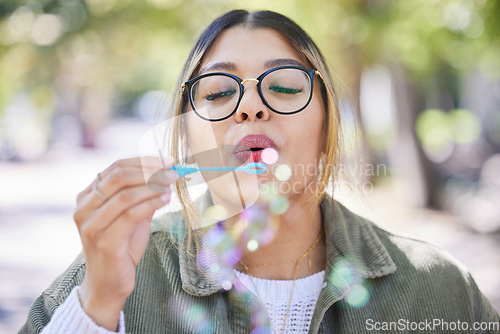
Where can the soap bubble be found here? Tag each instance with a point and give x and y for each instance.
(252, 245)
(348, 273)
(283, 172)
(358, 296)
(269, 156)
(227, 285)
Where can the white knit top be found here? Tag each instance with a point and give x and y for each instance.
(275, 295)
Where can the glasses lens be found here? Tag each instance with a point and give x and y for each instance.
(286, 90)
(215, 97)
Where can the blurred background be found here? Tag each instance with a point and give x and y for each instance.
(82, 80)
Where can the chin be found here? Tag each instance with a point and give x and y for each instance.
(230, 193)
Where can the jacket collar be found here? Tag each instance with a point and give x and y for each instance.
(351, 241)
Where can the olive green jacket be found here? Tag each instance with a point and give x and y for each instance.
(374, 280)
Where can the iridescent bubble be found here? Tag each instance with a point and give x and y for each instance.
(342, 276)
(227, 285)
(346, 272)
(252, 245)
(283, 172)
(231, 256)
(358, 296)
(269, 156)
(214, 237)
(268, 191)
(240, 286)
(279, 205)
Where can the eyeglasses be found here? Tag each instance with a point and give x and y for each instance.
(284, 89)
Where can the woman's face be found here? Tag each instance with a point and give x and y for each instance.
(297, 138)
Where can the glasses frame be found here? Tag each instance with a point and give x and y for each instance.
(188, 85)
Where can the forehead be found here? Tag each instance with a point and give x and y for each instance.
(250, 48)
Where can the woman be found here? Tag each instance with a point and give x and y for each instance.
(259, 253)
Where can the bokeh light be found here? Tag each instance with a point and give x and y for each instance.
(283, 172)
(358, 296)
(440, 131)
(279, 205)
(227, 285)
(214, 214)
(252, 245)
(46, 29)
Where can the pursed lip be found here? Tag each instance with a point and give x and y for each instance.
(251, 146)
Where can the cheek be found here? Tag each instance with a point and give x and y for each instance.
(205, 141)
(309, 133)
(200, 133)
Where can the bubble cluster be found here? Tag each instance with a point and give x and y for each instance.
(347, 274)
(218, 253)
(261, 226)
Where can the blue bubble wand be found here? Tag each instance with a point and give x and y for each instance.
(250, 168)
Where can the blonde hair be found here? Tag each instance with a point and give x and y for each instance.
(306, 47)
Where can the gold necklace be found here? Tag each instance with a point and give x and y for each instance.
(297, 264)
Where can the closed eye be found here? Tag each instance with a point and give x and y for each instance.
(285, 90)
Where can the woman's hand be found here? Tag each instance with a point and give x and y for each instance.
(114, 225)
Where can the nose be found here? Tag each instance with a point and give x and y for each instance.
(251, 105)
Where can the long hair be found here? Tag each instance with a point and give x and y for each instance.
(301, 41)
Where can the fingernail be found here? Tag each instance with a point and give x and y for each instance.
(165, 198)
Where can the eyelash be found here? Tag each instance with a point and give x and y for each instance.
(280, 89)
(220, 94)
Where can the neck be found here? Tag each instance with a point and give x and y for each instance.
(298, 229)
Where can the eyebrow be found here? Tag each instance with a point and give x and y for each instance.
(282, 62)
(222, 66)
(228, 66)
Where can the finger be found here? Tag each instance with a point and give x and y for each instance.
(123, 227)
(117, 180)
(162, 177)
(147, 164)
(98, 220)
(166, 163)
